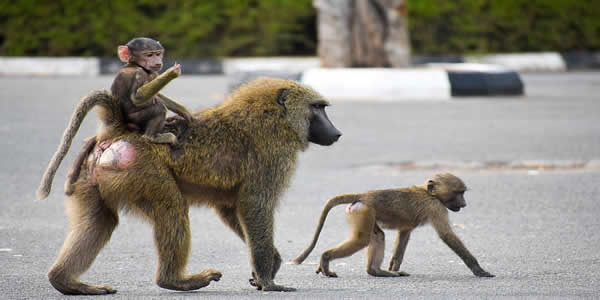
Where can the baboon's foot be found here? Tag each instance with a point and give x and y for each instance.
(278, 288)
(162, 138)
(384, 273)
(72, 287)
(192, 282)
(273, 287)
(326, 272)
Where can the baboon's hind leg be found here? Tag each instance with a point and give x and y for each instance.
(375, 254)
(362, 220)
(169, 215)
(92, 224)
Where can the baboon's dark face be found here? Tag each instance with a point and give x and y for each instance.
(457, 202)
(321, 131)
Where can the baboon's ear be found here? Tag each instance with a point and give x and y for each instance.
(281, 97)
(124, 53)
(430, 185)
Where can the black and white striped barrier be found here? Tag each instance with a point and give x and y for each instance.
(434, 82)
(94, 66)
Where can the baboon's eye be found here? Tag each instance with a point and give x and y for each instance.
(319, 105)
(281, 97)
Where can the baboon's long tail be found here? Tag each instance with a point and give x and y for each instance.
(331, 203)
(98, 97)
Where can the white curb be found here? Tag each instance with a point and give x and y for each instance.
(544, 61)
(71, 66)
(287, 64)
(379, 84)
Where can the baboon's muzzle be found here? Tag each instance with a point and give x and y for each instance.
(321, 130)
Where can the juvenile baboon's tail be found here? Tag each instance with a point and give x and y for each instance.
(331, 203)
(98, 97)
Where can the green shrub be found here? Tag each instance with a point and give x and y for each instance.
(286, 27)
(482, 26)
(185, 28)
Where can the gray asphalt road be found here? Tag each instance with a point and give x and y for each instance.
(536, 229)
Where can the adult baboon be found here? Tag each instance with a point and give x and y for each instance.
(403, 209)
(237, 158)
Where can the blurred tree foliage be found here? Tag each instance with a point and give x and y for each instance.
(286, 27)
(185, 28)
(482, 26)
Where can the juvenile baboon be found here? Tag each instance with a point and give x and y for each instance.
(402, 209)
(237, 158)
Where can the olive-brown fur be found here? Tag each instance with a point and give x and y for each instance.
(237, 158)
(402, 209)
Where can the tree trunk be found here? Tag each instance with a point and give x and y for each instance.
(333, 23)
(362, 33)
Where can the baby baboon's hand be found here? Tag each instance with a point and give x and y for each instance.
(187, 116)
(175, 69)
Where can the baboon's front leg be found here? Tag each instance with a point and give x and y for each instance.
(276, 266)
(257, 224)
(449, 237)
(229, 216)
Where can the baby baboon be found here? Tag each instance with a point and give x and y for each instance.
(402, 209)
(141, 106)
(137, 87)
(237, 158)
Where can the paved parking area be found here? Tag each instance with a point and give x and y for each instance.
(536, 229)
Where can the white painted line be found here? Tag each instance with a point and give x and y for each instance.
(378, 84)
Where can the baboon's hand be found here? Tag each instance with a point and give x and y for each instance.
(187, 116)
(326, 272)
(483, 273)
(175, 69)
(401, 273)
(394, 265)
(254, 282)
